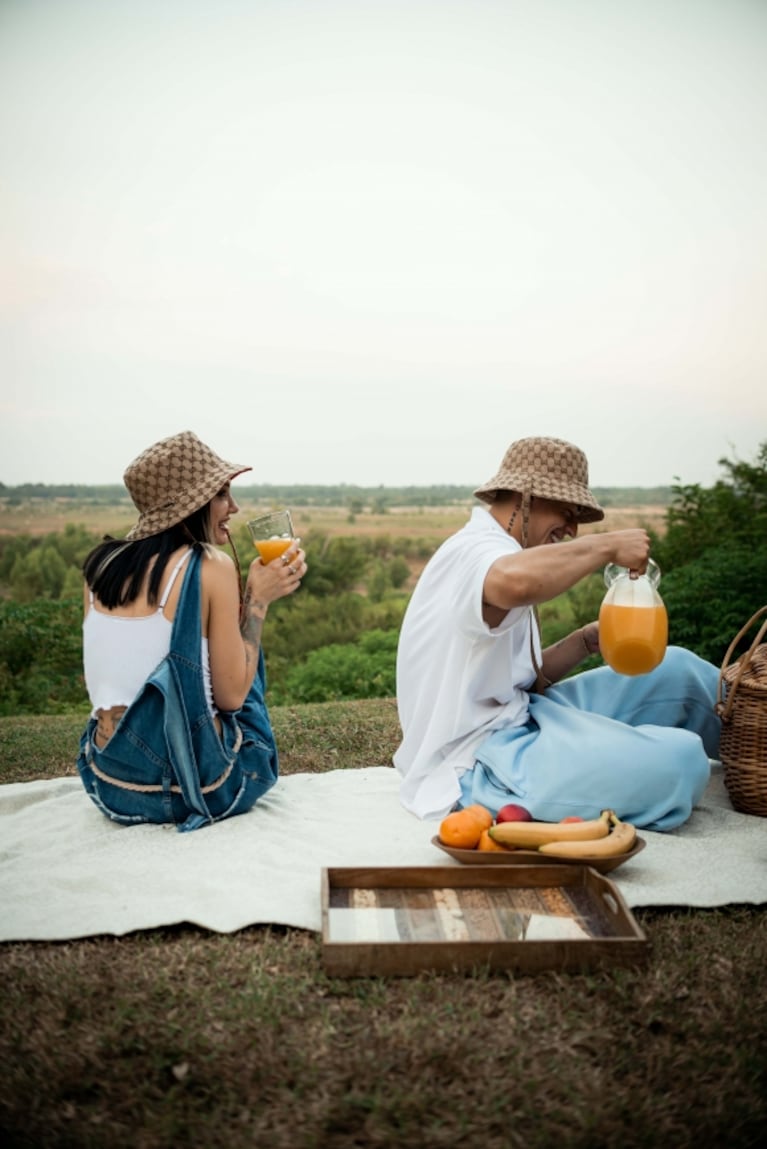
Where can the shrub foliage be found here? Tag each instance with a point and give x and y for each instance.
(337, 638)
(714, 557)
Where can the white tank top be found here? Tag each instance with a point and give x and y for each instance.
(120, 653)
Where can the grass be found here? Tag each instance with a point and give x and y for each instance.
(178, 1036)
(311, 738)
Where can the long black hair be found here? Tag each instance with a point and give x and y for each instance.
(115, 569)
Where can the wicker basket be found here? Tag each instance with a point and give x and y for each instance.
(742, 706)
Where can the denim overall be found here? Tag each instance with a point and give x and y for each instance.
(165, 761)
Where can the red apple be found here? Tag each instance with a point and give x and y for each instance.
(513, 813)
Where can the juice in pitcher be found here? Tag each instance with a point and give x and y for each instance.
(633, 639)
(633, 624)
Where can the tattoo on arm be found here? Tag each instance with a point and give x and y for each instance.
(253, 614)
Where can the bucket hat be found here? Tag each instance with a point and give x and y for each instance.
(174, 478)
(548, 468)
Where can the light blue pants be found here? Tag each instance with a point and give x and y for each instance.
(599, 740)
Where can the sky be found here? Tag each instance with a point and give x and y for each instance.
(375, 241)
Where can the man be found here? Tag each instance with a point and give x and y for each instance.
(484, 712)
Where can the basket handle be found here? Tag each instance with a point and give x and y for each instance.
(723, 708)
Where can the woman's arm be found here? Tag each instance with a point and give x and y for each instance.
(234, 637)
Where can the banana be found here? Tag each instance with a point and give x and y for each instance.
(619, 841)
(531, 835)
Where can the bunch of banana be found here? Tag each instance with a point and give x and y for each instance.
(599, 837)
(620, 840)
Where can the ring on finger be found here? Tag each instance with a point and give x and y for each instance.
(285, 560)
(292, 569)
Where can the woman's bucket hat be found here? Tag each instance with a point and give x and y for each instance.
(548, 468)
(172, 479)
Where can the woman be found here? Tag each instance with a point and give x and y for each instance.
(179, 730)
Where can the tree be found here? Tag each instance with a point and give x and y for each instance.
(733, 510)
(335, 564)
(714, 557)
(39, 574)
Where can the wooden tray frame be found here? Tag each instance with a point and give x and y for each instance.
(624, 942)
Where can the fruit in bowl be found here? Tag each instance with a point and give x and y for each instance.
(486, 843)
(463, 828)
(513, 813)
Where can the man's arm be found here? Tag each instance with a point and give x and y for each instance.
(539, 574)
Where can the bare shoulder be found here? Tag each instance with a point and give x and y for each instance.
(217, 568)
(211, 556)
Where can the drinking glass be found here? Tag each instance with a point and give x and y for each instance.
(272, 534)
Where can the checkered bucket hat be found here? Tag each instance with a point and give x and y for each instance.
(549, 468)
(174, 478)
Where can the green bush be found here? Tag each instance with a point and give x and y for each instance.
(302, 624)
(331, 641)
(41, 657)
(700, 519)
(335, 565)
(711, 598)
(365, 669)
(713, 557)
(46, 567)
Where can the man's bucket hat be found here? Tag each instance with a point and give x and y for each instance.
(172, 479)
(548, 468)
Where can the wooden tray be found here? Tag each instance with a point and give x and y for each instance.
(406, 920)
(533, 858)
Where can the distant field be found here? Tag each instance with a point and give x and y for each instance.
(42, 516)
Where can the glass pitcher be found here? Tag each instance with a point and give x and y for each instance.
(633, 624)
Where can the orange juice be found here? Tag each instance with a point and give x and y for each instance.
(633, 638)
(270, 549)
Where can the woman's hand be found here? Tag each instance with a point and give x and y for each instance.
(266, 582)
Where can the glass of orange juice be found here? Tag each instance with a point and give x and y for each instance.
(272, 534)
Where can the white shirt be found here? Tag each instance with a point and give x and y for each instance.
(457, 679)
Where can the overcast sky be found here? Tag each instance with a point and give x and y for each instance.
(374, 241)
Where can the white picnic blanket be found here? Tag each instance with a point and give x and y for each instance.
(66, 871)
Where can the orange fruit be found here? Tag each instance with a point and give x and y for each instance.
(461, 829)
(487, 843)
(483, 815)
